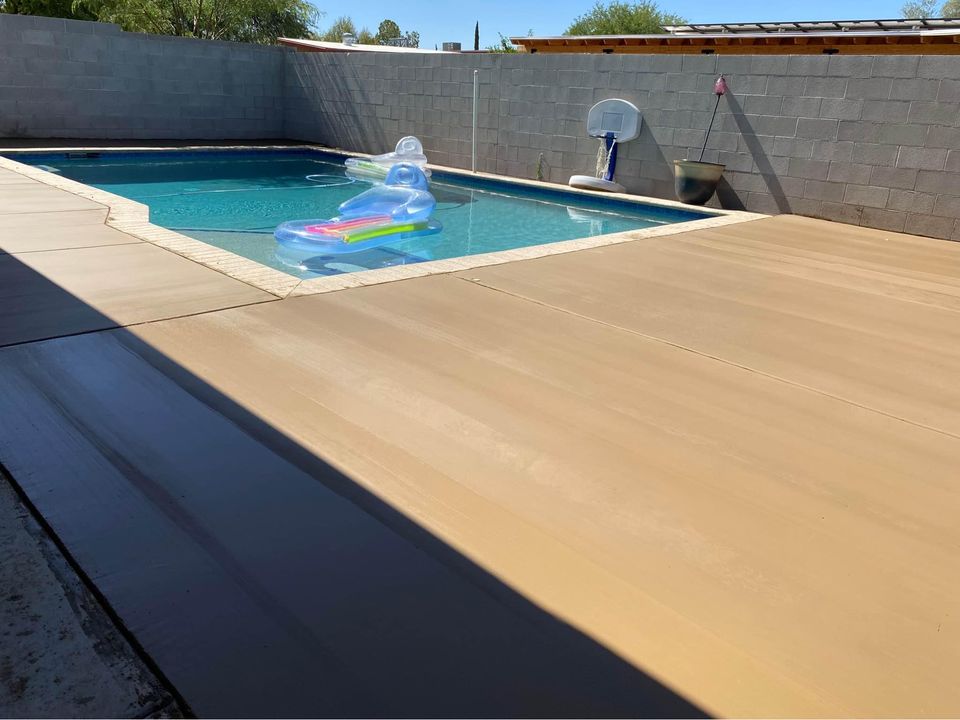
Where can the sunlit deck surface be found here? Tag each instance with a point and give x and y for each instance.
(716, 472)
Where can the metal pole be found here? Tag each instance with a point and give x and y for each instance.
(476, 95)
(707, 136)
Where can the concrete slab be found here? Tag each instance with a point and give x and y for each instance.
(728, 457)
(706, 522)
(58, 231)
(861, 315)
(34, 197)
(264, 582)
(8, 177)
(60, 654)
(63, 292)
(63, 221)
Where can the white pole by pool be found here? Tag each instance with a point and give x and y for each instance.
(476, 95)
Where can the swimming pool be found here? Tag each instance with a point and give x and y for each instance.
(234, 200)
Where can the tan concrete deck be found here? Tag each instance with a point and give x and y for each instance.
(732, 456)
(55, 249)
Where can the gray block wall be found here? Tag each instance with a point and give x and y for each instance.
(70, 79)
(870, 140)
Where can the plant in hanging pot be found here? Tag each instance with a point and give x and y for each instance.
(695, 181)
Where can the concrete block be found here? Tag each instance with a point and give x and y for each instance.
(948, 206)
(921, 223)
(910, 201)
(807, 65)
(821, 190)
(851, 66)
(38, 37)
(892, 177)
(737, 66)
(817, 129)
(793, 148)
(849, 173)
(935, 113)
(738, 162)
(839, 212)
(886, 111)
(953, 161)
(901, 134)
(760, 104)
(896, 66)
(688, 137)
(840, 151)
(922, 158)
(883, 219)
(943, 137)
(804, 206)
(939, 66)
(770, 65)
(742, 84)
(647, 81)
(774, 125)
(801, 106)
(915, 89)
(695, 101)
(874, 154)
(937, 182)
(824, 87)
(874, 88)
(690, 82)
(789, 87)
(699, 64)
(808, 169)
(841, 108)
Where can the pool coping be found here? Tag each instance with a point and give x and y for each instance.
(133, 218)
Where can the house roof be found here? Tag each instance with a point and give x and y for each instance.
(857, 37)
(322, 46)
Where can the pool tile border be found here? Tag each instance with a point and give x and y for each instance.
(133, 218)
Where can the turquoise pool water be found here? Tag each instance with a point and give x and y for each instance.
(235, 199)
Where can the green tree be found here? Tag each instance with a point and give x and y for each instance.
(919, 9)
(503, 46)
(48, 8)
(928, 9)
(388, 30)
(621, 18)
(254, 21)
(341, 26)
(476, 36)
(412, 38)
(366, 37)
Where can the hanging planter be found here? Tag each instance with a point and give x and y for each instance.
(696, 181)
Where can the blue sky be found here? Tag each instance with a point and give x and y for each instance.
(453, 20)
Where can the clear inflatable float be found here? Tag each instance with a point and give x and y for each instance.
(397, 210)
(409, 150)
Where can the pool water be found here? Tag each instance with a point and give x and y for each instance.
(235, 199)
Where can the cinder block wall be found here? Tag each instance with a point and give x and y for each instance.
(70, 79)
(871, 140)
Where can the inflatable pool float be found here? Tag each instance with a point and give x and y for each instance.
(397, 210)
(409, 150)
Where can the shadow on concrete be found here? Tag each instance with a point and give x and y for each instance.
(262, 581)
(759, 156)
